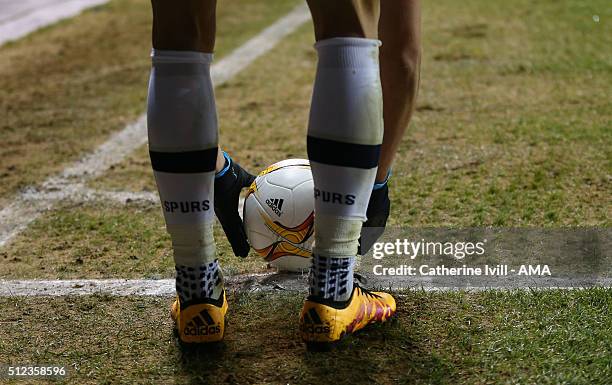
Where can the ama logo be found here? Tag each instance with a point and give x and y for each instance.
(276, 205)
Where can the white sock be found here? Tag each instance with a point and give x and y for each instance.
(183, 139)
(344, 136)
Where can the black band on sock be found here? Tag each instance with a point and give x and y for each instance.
(189, 162)
(343, 154)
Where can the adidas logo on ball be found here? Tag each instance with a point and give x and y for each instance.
(276, 205)
(278, 215)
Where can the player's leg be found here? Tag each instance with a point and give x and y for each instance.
(188, 25)
(183, 144)
(400, 59)
(345, 133)
(399, 31)
(345, 18)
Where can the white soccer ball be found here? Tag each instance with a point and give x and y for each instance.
(279, 215)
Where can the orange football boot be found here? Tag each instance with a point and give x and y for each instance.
(200, 322)
(324, 322)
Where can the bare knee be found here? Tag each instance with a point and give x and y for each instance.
(184, 25)
(400, 32)
(345, 18)
(404, 59)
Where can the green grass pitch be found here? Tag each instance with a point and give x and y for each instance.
(512, 128)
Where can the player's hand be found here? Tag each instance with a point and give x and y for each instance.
(377, 213)
(227, 193)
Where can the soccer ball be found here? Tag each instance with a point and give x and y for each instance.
(279, 214)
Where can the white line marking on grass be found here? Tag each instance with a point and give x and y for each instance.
(118, 287)
(28, 205)
(28, 16)
(240, 58)
(246, 282)
(115, 287)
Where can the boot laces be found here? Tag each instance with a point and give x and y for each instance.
(362, 280)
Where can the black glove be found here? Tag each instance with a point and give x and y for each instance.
(377, 213)
(227, 193)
